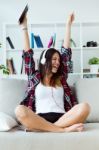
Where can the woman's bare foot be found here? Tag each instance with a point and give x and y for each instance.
(75, 128)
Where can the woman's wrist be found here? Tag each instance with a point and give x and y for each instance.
(24, 28)
(68, 24)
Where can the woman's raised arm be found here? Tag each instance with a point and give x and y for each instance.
(70, 19)
(29, 62)
(25, 34)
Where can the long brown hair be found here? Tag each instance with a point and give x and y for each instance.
(55, 79)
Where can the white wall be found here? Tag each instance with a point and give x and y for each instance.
(49, 10)
(85, 10)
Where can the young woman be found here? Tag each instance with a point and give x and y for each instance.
(49, 104)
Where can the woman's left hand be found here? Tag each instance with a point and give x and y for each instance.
(70, 18)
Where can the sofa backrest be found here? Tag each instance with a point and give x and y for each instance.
(11, 94)
(87, 90)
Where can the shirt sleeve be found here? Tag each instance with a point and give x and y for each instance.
(66, 60)
(29, 62)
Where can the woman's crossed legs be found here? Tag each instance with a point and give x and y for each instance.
(71, 121)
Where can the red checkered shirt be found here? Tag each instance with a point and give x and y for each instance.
(34, 79)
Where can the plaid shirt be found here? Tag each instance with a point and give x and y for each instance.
(34, 79)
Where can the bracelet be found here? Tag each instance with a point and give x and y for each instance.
(25, 28)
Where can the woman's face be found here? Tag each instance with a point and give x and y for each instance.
(55, 62)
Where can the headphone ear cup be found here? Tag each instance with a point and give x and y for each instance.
(43, 60)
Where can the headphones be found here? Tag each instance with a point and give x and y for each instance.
(43, 59)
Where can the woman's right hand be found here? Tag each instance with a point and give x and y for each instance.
(24, 23)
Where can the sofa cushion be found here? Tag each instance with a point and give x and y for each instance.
(11, 93)
(87, 90)
(20, 140)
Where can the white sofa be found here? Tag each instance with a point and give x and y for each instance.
(11, 93)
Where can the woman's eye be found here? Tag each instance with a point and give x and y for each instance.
(54, 58)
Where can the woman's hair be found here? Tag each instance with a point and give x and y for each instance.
(47, 67)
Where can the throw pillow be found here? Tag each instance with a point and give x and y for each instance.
(6, 122)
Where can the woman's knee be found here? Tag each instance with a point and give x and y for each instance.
(84, 109)
(21, 111)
